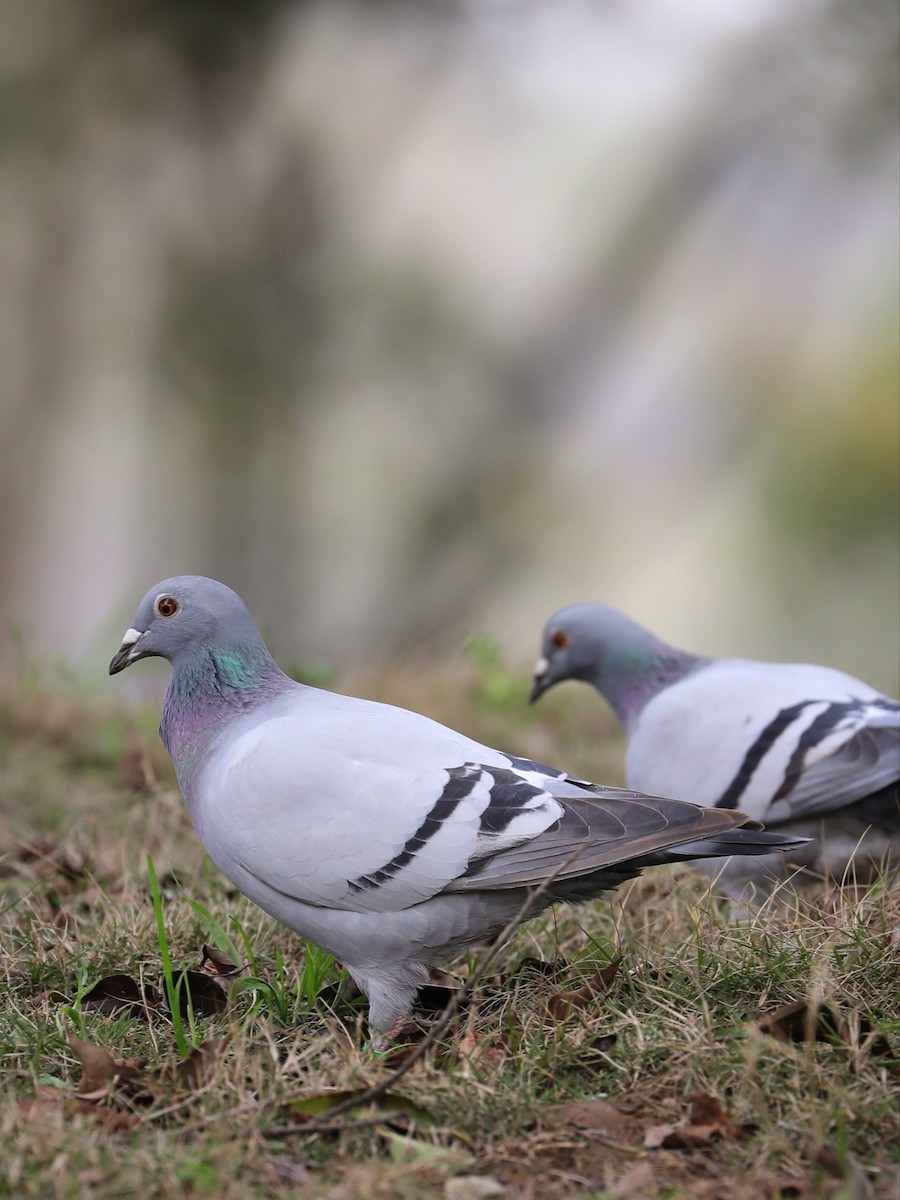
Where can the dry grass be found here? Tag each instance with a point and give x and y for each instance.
(819, 1118)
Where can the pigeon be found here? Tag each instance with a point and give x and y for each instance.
(372, 831)
(806, 749)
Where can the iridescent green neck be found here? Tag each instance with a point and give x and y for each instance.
(212, 687)
(631, 675)
(242, 668)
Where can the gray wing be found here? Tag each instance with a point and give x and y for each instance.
(850, 751)
(602, 828)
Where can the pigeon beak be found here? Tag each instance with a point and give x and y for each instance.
(540, 682)
(128, 652)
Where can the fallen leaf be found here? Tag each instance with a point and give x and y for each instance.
(435, 995)
(561, 1005)
(391, 1104)
(113, 1120)
(115, 995)
(480, 1051)
(600, 1046)
(50, 1100)
(440, 978)
(403, 1044)
(49, 996)
(213, 962)
(44, 1100)
(434, 998)
(656, 1136)
(203, 993)
(102, 1073)
(606, 975)
(593, 1116)
(802, 1021)
(707, 1123)
(707, 1110)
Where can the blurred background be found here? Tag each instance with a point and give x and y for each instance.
(410, 320)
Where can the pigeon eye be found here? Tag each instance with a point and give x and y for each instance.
(559, 639)
(166, 606)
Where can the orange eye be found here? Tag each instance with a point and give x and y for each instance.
(166, 606)
(559, 639)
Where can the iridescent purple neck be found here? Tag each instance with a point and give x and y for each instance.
(210, 689)
(631, 676)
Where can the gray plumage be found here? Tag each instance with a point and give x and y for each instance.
(372, 831)
(806, 749)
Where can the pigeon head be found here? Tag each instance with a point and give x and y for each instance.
(221, 669)
(183, 618)
(603, 647)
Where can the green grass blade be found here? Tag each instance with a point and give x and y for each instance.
(172, 989)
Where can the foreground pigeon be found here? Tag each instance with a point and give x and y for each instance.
(806, 749)
(376, 833)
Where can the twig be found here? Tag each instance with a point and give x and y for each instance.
(370, 1095)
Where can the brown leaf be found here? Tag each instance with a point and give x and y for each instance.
(112, 1119)
(801, 1021)
(561, 1005)
(656, 1135)
(49, 996)
(213, 962)
(206, 994)
(403, 1044)
(440, 978)
(594, 1056)
(101, 1073)
(480, 1051)
(435, 997)
(707, 1110)
(707, 1123)
(196, 1071)
(604, 978)
(595, 1116)
(115, 995)
(44, 1100)
(600, 1046)
(49, 1099)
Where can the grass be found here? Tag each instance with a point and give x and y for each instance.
(100, 873)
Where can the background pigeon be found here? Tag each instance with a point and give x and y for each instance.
(372, 831)
(806, 749)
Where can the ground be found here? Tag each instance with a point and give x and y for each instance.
(618, 1050)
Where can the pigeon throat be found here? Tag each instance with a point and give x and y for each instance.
(629, 681)
(212, 688)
